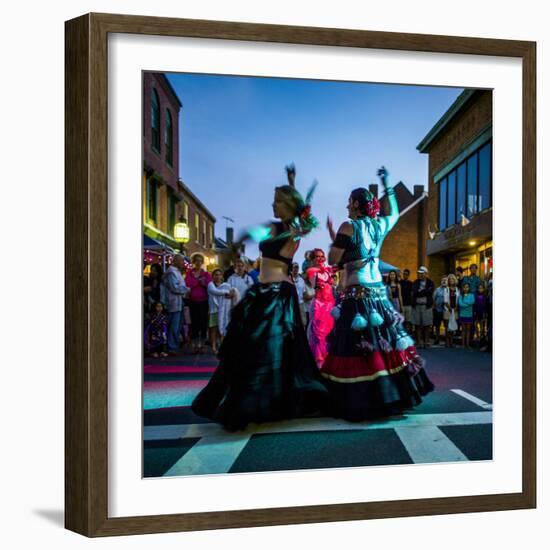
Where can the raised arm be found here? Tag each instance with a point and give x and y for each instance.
(389, 221)
(330, 229)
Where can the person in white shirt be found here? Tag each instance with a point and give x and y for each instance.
(240, 280)
(220, 296)
(298, 281)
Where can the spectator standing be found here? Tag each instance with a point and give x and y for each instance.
(197, 280)
(472, 279)
(240, 280)
(466, 302)
(175, 289)
(459, 273)
(219, 304)
(406, 298)
(439, 308)
(298, 281)
(450, 314)
(153, 290)
(255, 271)
(309, 294)
(229, 271)
(422, 301)
(480, 314)
(394, 291)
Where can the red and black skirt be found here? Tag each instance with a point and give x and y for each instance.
(372, 369)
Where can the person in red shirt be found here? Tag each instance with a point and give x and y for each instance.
(197, 280)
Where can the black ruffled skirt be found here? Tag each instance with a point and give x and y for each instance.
(266, 371)
(372, 369)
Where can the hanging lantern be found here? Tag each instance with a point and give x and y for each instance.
(181, 231)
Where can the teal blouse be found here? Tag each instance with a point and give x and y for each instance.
(466, 305)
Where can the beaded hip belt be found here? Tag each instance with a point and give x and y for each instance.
(359, 292)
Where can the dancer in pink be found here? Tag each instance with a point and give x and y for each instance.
(321, 320)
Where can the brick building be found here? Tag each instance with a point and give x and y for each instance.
(459, 205)
(403, 247)
(201, 226)
(166, 198)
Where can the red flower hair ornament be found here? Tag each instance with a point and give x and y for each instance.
(373, 208)
(305, 212)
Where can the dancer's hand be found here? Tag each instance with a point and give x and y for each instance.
(383, 173)
(291, 174)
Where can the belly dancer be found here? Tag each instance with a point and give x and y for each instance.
(321, 321)
(373, 368)
(266, 370)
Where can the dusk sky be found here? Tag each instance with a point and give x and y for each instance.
(238, 133)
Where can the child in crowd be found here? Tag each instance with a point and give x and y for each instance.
(155, 336)
(219, 305)
(466, 302)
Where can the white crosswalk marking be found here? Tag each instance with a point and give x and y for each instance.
(177, 431)
(217, 450)
(474, 399)
(429, 444)
(210, 455)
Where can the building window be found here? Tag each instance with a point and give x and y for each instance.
(152, 200)
(169, 138)
(472, 186)
(155, 120)
(443, 204)
(451, 198)
(467, 189)
(211, 236)
(185, 211)
(171, 212)
(197, 225)
(484, 189)
(460, 192)
(203, 232)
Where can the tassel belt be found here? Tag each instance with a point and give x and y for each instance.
(359, 292)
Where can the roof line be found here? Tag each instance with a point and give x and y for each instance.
(414, 203)
(449, 114)
(171, 88)
(196, 199)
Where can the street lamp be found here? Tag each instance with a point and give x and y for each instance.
(181, 233)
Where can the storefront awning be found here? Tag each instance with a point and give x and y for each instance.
(384, 267)
(156, 246)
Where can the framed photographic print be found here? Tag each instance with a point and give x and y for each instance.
(289, 292)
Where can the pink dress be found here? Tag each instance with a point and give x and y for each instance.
(321, 320)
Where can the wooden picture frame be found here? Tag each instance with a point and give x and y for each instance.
(86, 414)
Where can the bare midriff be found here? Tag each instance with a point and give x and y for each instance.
(360, 273)
(273, 271)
